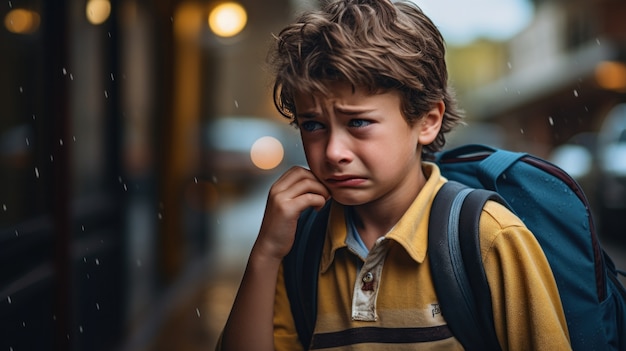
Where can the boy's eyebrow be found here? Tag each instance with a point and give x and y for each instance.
(344, 110)
(352, 110)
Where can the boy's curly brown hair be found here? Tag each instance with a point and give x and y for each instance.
(376, 44)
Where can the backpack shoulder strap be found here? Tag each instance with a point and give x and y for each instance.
(300, 270)
(460, 280)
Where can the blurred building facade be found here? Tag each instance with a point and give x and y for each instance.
(557, 78)
(555, 84)
(105, 185)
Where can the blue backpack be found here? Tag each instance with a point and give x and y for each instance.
(555, 209)
(544, 197)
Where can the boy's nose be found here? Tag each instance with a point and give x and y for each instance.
(338, 149)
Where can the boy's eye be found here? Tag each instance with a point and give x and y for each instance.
(310, 126)
(358, 123)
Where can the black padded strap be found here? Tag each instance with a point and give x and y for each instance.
(301, 267)
(457, 297)
(470, 248)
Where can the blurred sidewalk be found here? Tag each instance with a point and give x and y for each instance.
(191, 316)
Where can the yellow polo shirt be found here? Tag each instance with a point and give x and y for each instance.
(387, 301)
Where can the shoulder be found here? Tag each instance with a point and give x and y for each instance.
(502, 231)
(496, 216)
(507, 246)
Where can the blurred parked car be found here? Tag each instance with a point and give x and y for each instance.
(597, 161)
(612, 182)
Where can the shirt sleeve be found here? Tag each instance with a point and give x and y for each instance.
(527, 308)
(285, 334)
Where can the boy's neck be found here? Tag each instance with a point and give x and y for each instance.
(376, 219)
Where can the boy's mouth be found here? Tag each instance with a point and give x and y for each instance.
(345, 180)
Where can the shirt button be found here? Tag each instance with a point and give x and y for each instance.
(368, 277)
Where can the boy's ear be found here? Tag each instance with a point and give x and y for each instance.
(430, 124)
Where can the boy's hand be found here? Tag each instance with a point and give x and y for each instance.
(296, 190)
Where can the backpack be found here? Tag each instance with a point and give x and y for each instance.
(545, 198)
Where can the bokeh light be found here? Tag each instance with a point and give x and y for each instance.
(611, 75)
(267, 153)
(21, 21)
(227, 19)
(98, 11)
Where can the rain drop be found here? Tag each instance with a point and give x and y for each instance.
(4, 207)
(236, 104)
(27, 142)
(598, 41)
(61, 142)
(195, 179)
(98, 306)
(551, 120)
(82, 227)
(160, 215)
(198, 312)
(138, 263)
(521, 130)
(80, 329)
(125, 187)
(97, 262)
(106, 94)
(575, 93)
(21, 90)
(585, 224)
(16, 233)
(64, 71)
(36, 172)
(112, 78)
(509, 65)
(9, 299)
(71, 76)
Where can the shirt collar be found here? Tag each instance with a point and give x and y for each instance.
(411, 231)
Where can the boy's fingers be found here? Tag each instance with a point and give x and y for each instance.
(295, 182)
(292, 176)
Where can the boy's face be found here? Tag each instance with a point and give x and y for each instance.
(359, 145)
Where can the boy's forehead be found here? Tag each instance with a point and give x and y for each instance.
(345, 97)
(330, 91)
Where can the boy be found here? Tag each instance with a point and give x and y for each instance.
(366, 83)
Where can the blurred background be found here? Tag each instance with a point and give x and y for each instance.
(138, 140)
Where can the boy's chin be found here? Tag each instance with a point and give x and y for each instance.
(348, 200)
